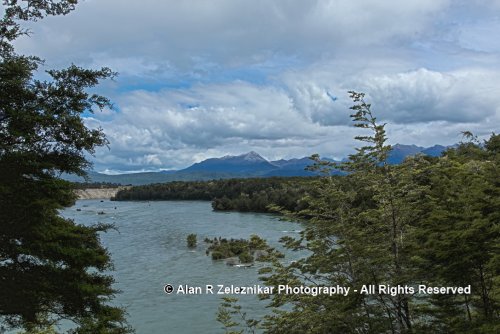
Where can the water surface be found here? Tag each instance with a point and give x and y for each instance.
(149, 250)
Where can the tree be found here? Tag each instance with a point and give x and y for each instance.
(356, 236)
(430, 221)
(50, 267)
(230, 315)
(457, 242)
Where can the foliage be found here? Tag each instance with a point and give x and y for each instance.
(50, 267)
(430, 221)
(255, 195)
(457, 242)
(222, 248)
(245, 257)
(48, 330)
(191, 240)
(230, 315)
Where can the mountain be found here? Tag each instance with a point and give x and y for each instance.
(400, 152)
(250, 164)
(434, 151)
(292, 167)
(292, 163)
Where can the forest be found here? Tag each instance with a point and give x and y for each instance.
(245, 195)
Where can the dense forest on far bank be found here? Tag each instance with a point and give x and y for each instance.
(255, 195)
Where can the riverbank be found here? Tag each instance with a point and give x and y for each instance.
(99, 193)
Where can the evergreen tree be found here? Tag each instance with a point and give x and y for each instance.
(458, 238)
(427, 221)
(50, 267)
(356, 236)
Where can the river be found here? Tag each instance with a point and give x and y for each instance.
(149, 250)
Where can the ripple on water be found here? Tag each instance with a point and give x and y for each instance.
(149, 250)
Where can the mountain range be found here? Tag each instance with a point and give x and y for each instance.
(241, 166)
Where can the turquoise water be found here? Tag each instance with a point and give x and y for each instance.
(149, 250)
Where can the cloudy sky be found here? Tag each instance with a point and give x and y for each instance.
(200, 79)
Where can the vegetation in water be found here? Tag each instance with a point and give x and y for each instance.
(245, 250)
(191, 240)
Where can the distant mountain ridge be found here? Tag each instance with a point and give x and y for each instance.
(250, 164)
(400, 152)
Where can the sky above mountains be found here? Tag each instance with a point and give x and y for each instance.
(201, 79)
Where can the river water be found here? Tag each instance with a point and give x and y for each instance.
(149, 250)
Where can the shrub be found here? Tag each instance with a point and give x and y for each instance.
(191, 240)
(217, 255)
(245, 257)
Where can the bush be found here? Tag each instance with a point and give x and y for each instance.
(191, 240)
(217, 256)
(257, 242)
(245, 257)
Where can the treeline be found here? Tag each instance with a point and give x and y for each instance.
(255, 195)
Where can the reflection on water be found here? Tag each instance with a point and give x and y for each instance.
(149, 250)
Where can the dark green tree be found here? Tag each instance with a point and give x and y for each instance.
(356, 235)
(430, 221)
(50, 267)
(458, 238)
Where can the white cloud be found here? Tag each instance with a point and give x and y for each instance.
(301, 117)
(208, 78)
(232, 33)
(418, 96)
